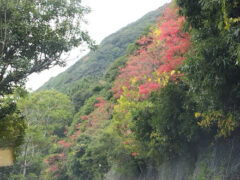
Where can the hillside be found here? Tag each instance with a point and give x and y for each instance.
(167, 108)
(96, 62)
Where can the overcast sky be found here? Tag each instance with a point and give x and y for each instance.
(107, 17)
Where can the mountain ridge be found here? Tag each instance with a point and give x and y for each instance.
(95, 63)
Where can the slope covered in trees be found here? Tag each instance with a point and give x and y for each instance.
(168, 108)
(94, 64)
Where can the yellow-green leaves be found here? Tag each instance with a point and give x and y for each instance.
(225, 122)
(228, 21)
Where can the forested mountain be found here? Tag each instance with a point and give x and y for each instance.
(94, 64)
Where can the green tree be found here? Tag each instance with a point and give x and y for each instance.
(34, 34)
(51, 109)
(212, 67)
(12, 124)
(47, 114)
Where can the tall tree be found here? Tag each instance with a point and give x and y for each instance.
(33, 36)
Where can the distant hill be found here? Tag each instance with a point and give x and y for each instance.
(94, 64)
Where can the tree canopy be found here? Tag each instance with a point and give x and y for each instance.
(34, 34)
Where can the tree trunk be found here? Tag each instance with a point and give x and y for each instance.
(25, 160)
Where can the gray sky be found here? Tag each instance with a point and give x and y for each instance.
(107, 17)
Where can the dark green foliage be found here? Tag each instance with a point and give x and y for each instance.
(173, 116)
(113, 70)
(81, 92)
(209, 14)
(89, 159)
(169, 125)
(142, 126)
(12, 128)
(12, 123)
(212, 67)
(213, 74)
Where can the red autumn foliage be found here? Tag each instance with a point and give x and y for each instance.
(101, 113)
(159, 52)
(100, 99)
(45, 161)
(61, 142)
(128, 141)
(147, 87)
(73, 137)
(138, 67)
(112, 106)
(134, 153)
(61, 156)
(78, 132)
(176, 42)
(55, 163)
(128, 132)
(144, 40)
(67, 145)
(77, 126)
(64, 144)
(85, 117)
(98, 104)
(101, 102)
(53, 168)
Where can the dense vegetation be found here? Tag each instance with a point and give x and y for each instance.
(94, 64)
(174, 87)
(33, 35)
